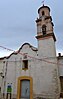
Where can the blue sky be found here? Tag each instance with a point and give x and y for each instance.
(17, 23)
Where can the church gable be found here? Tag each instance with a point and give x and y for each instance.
(28, 46)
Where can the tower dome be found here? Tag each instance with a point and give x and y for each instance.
(44, 11)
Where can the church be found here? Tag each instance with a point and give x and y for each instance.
(34, 73)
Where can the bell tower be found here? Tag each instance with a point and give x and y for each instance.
(50, 87)
(45, 34)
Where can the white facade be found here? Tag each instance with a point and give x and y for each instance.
(39, 65)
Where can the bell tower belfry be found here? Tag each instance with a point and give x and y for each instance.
(45, 34)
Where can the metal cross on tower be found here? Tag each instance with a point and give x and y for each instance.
(43, 2)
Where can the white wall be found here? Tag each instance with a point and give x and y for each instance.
(44, 74)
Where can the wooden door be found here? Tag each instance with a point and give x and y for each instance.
(25, 89)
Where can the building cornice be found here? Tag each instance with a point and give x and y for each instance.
(46, 35)
(18, 51)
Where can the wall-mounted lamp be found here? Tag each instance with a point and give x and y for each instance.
(1, 74)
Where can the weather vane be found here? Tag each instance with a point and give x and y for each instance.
(43, 2)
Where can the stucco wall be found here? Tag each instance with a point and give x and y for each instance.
(43, 73)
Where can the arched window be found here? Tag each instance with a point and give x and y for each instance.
(43, 13)
(44, 29)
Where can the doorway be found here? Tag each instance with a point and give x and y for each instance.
(25, 88)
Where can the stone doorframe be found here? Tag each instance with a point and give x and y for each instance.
(19, 86)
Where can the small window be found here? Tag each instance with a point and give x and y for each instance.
(43, 13)
(25, 64)
(44, 29)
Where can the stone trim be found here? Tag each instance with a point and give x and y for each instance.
(19, 83)
(46, 35)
